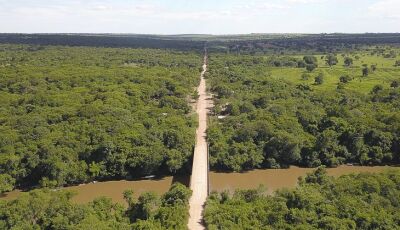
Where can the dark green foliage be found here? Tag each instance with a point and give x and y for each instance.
(363, 201)
(45, 209)
(348, 61)
(301, 64)
(331, 59)
(310, 60)
(272, 123)
(7, 183)
(311, 67)
(70, 115)
(397, 63)
(377, 89)
(319, 79)
(365, 71)
(345, 79)
(178, 194)
(169, 212)
(311, 63)
(395, 84)
(391, 54)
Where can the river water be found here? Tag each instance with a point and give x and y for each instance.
(114, 189)
(273, 179)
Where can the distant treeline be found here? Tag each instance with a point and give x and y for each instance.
(251, 43)
(320, 43)
(102, 40)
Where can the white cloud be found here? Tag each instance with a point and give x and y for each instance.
(185, 16)
(386, 9)
(305, 1)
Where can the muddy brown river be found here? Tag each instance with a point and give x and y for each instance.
(114, 189)
(273, 179)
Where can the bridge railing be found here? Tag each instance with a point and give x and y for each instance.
(208, 170)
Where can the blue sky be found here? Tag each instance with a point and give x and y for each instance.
(202, 16)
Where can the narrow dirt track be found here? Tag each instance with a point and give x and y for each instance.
(199, 178)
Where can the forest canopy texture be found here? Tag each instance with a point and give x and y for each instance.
(71, 115)
(45, 209)
(271, 111)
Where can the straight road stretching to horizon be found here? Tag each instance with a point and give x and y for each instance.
(199, 178)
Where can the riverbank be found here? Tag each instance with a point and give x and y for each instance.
(113, 189)
(272, 179)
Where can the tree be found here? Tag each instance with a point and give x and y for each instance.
(128, 197)
(319, 176)
(348, 61)
(331, 59)
(365, 71)
(310, 60)
(301, 64)
(147, 205)
(95, 169)
(345, 78)
(310, 67)
(395, 84)
(319, 79)
(7, 183)
(377, 89)
(177, 194)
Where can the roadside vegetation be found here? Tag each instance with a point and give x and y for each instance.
(356, 201)
(273, 111)
(73, 115)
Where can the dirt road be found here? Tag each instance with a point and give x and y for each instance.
(199, 178)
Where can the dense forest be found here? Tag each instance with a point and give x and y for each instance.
(356, 201)
(272, 111)
(45, 209)
(71, 115)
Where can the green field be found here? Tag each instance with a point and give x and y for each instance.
(384, 75)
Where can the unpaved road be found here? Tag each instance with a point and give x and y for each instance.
(199, 178)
